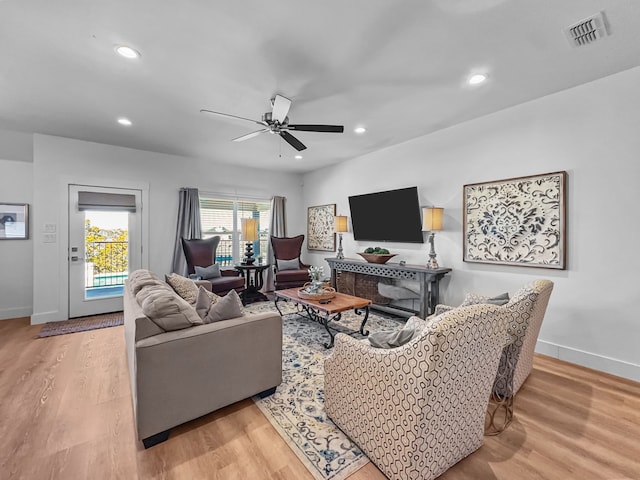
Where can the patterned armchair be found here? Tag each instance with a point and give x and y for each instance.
(418, 409)
(527, 308)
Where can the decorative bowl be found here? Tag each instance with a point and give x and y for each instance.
(377, 257)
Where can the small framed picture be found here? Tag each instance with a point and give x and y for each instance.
(14, 221)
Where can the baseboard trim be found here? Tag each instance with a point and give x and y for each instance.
(15, 312)
(39, 318)
(590, 360)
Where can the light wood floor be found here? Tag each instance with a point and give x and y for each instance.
(65, 413)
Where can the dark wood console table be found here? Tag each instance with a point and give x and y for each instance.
(429, 280)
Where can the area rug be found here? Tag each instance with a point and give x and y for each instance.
(296, 410)
(81, 324)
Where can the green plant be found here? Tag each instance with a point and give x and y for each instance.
(377, 251)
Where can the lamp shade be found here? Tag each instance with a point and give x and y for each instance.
(432, 219)
(340, 223)
(250, 229)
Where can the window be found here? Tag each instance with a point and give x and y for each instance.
(222, 216)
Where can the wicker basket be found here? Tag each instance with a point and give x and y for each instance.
(326, 294)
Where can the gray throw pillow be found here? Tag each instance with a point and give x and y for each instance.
(293, 264)
(205, 273)
(225, 308)
(204, 300)
(396, 338)
(501, 299)
(474, 299)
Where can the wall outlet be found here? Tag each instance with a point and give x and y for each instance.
(49, 228)
(49, 238)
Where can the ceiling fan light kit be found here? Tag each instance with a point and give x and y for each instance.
(277, 122)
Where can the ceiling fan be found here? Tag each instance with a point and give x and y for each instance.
(277, 122)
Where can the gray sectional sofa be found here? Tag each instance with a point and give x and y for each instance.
(181, 374)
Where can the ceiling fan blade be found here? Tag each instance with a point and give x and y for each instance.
(250, 135)
(281, 106)
(317, 128)
(233, 116)
(293, 141)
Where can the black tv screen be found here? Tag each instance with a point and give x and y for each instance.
(391, 216)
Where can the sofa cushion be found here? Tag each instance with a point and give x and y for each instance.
(142, 278)
(212, 271)
(293, 264)
(166, 309)
(293, 276)
(220, 284)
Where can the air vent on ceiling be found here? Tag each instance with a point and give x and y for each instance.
(587, 31)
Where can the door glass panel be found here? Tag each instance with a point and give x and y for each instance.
(106, 237)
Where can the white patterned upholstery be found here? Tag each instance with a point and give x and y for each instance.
(527, 307)
(418, 409)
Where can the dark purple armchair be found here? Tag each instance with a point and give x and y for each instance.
(202, 253)
(285, 251)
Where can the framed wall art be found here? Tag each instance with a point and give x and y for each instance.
(14, 221)
(320, 232)
(517, 221)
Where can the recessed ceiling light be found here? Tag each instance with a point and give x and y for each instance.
(477, 78)
(359, 129)
(298, 157)
(127, 52)
(125, 121)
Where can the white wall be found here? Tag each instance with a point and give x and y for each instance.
(16, 256)
(592, 132)
(60, 161)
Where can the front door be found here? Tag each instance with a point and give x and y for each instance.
(105, 244)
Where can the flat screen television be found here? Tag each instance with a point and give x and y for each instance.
(390, 216)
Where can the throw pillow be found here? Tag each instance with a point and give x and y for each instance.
(204, 300)
(183, 287)
(293, 264)
(168, 310)
(225, 308)
(474, 299)
(396, 338)
(212, 271)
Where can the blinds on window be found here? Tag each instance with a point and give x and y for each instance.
(222, 216)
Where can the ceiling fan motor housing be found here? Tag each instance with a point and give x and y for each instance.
(268, 117)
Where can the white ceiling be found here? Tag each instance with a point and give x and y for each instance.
(396, 67)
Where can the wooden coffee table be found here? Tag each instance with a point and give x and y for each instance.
(323, 313)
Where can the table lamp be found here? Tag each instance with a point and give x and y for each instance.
(340, 225)
(432, 222)
(249, 235)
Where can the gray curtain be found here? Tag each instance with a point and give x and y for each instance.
(188, 226)
(277, 228)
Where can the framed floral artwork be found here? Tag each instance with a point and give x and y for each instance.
(517, 221)
(320, 231)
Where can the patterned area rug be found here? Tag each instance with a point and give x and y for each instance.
(296, 410)
(81, 324)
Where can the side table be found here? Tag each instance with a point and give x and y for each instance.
(253, 282)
